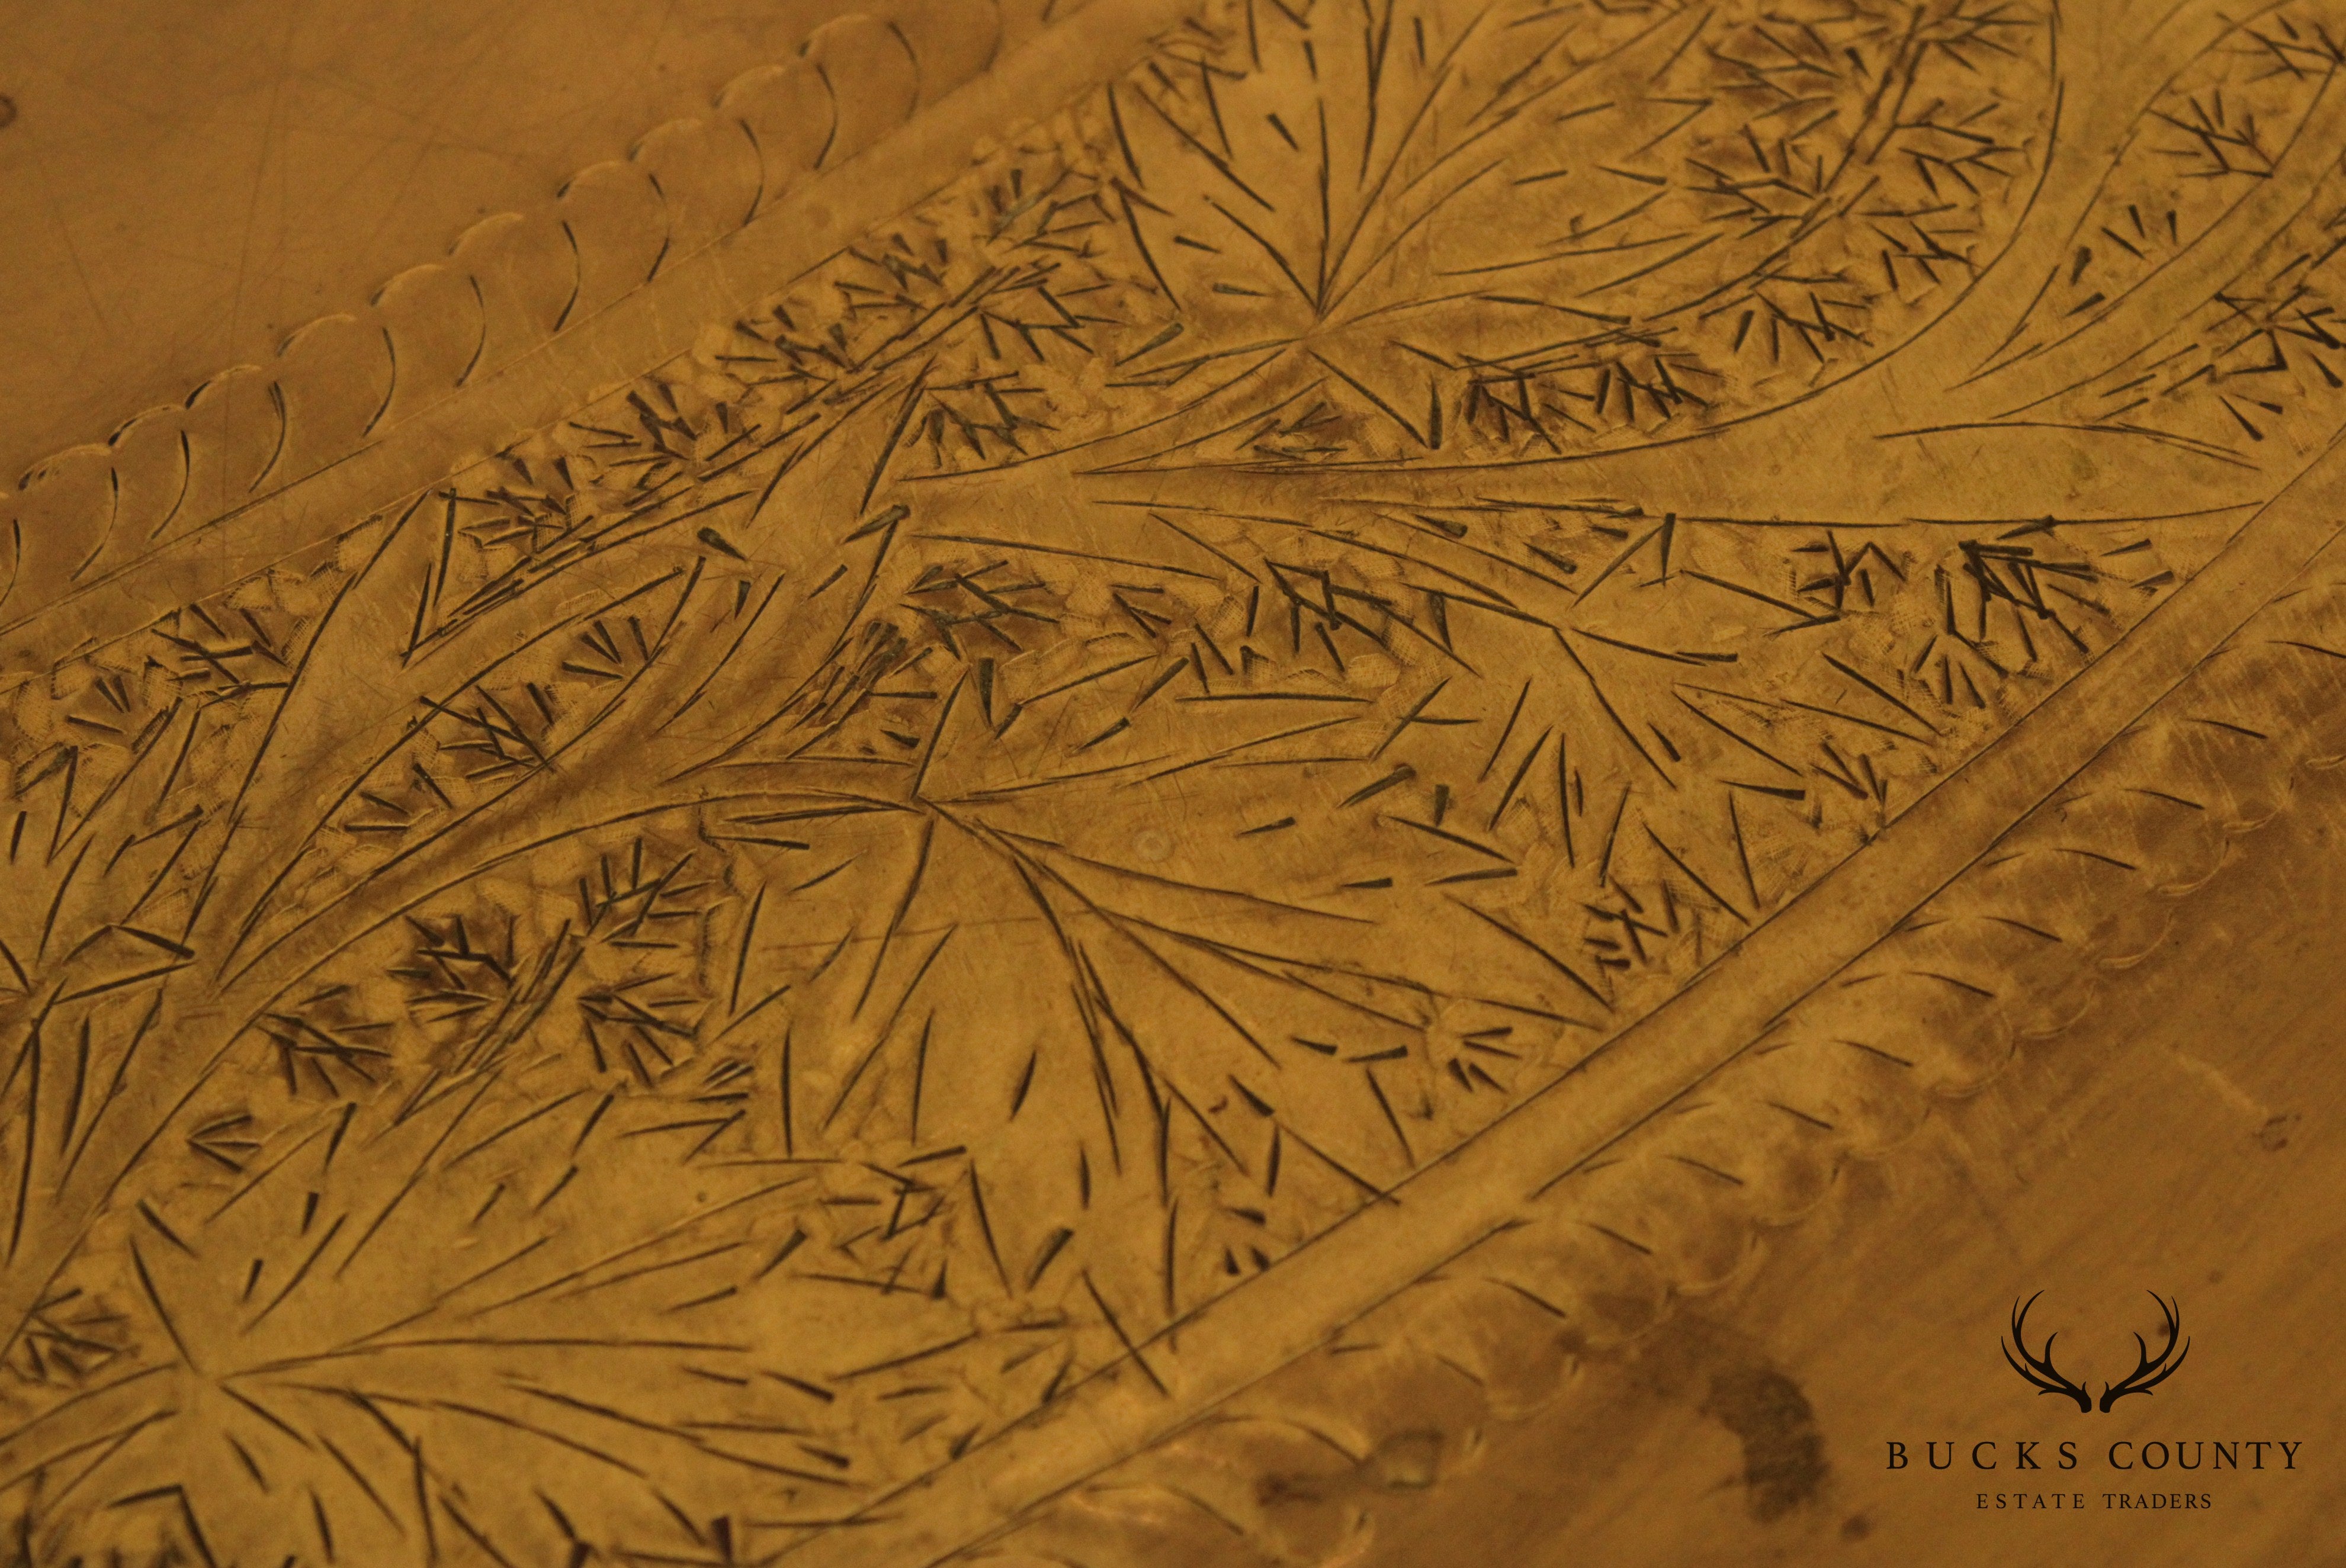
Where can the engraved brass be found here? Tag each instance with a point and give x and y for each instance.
(1208, 783)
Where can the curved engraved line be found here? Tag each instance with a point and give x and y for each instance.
(2165, 438)
(284, 428)
(757, 162)
(113, 515)
(668, 226)
(480, 344)
(830, 131)
(390, 391)
(187, 477)
(577, 276)
(1228, 1344)
(920, 82)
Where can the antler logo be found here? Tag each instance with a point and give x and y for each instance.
(2148, 1373)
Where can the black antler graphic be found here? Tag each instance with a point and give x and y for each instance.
(2152, 1370)
(2040, 1371)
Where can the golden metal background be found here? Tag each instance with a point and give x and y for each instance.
(1342, 785)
